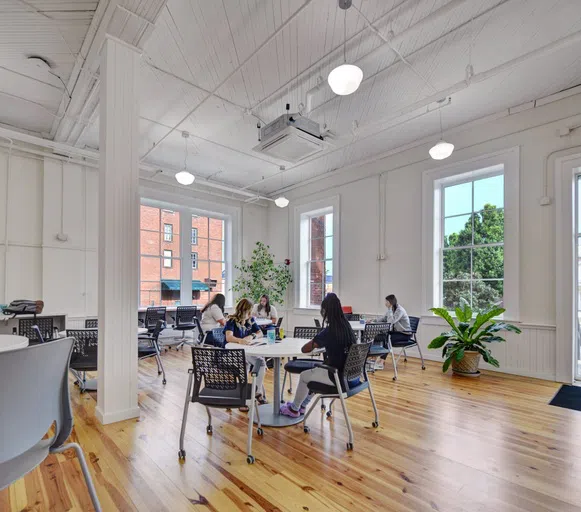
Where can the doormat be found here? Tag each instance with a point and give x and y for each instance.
(568, 397)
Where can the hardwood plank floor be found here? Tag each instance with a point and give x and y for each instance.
(444, 443)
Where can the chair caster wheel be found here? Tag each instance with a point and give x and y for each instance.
(323, 407)
(405, 360)
(423, 367)
(290, 391)
(164, 382)
(83, 391)
(375, 424)
(209, 430)
(159, 373)
(306, 429)
(182, 455)
(259, 431)
(250, 459)
(349, 446)
(76, 383)
(329, 414)
(394, 378)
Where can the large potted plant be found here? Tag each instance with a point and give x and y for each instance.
(469, 338)
(262, 276)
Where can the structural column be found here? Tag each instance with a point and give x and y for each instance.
(118, 233)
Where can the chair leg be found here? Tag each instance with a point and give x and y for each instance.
(159, 363)
(421, 356)
(282, 387)
(182, 452)
(309, 411)
(86, 474)
(393, 361)
(290, 383)
(345, 413)
(252, 408)
(376, 422)
(405, 356)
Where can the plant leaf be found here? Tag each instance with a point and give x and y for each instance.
(446, 365)
(443, 313)
(460, 354)
(439, 341)
(484, 317)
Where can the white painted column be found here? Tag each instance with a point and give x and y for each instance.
(118, 233)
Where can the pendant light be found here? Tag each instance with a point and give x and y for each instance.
(185, 177)
(442, 149)
(281, 201)
(346, 78)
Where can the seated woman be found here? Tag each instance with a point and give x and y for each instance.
(335, 338)
(264, 310)
(241, 328)
(213, 316)
(397, 316)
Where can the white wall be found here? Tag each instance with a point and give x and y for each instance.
(364, 281)
(35, 265)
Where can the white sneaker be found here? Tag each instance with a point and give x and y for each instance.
(379, 364)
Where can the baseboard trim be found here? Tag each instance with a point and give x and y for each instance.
(115, 416)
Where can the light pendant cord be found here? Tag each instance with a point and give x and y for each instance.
(345, 38)
(441, 130)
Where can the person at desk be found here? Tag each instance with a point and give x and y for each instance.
(397, 316)
(335, 338)
(265, 310)
(213, 316)
(242, 329)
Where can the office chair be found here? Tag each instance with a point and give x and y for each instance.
(296, 366)
(184, 321)
(84, 356)
(91, 323)
(149, 347)
(378, 335)
(398, 340)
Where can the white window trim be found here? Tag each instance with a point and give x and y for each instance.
(191, 236)
(326, 205)
(565, 263)
(168, 233)
(167, 258)
(194, 260)
(432, 221)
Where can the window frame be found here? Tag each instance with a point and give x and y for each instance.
(165, 258)
(194, 260)
(433, 180)
(301, 247)
(194, 236)
(166, 234)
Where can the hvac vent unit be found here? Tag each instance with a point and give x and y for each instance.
(291, 138)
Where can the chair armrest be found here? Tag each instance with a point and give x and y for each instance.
(329, 368)
(256, 367)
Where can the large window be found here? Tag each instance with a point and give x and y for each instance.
(473, 242)
(316, 243)
(163, 252)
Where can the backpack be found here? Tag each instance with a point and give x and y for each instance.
(24, 307)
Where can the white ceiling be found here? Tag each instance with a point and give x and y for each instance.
(209, 67)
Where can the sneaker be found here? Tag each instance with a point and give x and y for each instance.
(379, 364)
(287, 410)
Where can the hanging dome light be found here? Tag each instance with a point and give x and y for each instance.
(281, 202)
(441, 150)
(346, 78)
(185, 177)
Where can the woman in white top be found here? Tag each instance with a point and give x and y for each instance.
(213, 313)
(264, 310)
(397, 316)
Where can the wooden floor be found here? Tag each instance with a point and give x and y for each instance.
(444, 443)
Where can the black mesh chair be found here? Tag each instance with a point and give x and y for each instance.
(215, 338)
(353, 317)
(201, 334)
(45, 326)
(353, 381)
(317, 323)
(91, 323)
(378, 335)
(152, 315)
(219, 379)
(296, 366)
(149, 347)
(84, 356)
(407, 340)
(184, 321)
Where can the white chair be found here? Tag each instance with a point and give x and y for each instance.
(35, 393)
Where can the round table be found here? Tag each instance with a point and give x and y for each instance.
(289, 347)
(63, 334)
(12, 342)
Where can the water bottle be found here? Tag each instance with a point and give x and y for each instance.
(281, 333)
(362, 319)
(271, 334)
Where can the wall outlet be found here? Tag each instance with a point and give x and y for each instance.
(545, 201)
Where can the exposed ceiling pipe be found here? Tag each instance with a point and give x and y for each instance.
(230, 75)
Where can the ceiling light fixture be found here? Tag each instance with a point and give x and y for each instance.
(185, 177)
(442, 149)
(346, 78)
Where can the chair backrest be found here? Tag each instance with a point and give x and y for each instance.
(414, 322)
(218, 368)
(308, 333)
(219, 336)
(91, 323)
(279, 323)
(317, 323)
(186, 314)
(85, 348)
(152, 315)
(372, 330)
(199, 329)
(35, 393)
(353, 317)
(157, 329)
(355, 362)
(46, 326)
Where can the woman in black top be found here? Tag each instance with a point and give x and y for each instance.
(335, 338)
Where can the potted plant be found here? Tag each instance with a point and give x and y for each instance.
(468, 339)
(262, 276)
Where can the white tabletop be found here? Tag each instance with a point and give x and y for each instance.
(263, 321)
(12, 342)
(62, 334)
(289, 347)
(356, 325)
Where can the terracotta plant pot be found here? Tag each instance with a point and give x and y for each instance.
(468, 365)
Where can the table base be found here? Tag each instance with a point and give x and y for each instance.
(269, 419)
